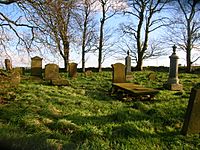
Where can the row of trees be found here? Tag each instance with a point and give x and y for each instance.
(57, 24)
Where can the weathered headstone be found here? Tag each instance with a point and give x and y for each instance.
(128, 67)
(15, 78)
(88, 73)
(8, 64)
(192, 118)
(36, 66)
(173, 81)
(51, 72)
(73, 70)
(118, 74)
(152, 76)
(21, 70)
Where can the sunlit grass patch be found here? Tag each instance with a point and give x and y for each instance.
(85, 116)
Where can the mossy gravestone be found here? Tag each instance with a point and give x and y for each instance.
(8, 64)
(73, 70)
(118, 75)
(51, 72)
(36, 66)
(192, 118)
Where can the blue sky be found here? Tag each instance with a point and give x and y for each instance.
(23, 59)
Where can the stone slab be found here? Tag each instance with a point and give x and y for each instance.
(174, 87)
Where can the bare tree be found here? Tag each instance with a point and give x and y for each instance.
(146, 12)
(108, 10)
(54, 20)
(185, 29)
(87, 27)
(14, 29)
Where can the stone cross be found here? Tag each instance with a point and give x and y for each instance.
(36, 66)
(51, 72)
(118, 75)
(173, 81)
(192, 117)
(73, 70)
(8, 64)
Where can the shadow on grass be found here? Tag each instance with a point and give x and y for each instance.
(36, 142)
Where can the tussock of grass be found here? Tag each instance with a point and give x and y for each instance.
(35, 115)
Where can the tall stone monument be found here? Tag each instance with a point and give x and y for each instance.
(192, 118)
(8, 64)
(36, 66)
(128, 67)
(173, 81)
(118, 75)
(73, 70)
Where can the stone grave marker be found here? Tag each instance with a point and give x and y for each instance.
(118, 74)
(8, 64)
(128, 67)
(173, 81)
(73, 70)
(36, 66)
(88, 73)
(51, 72)
(21, 70)
(152, 76)
(192, 118)
(15, 78)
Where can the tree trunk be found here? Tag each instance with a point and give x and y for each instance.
(139, 66)
(83, 60)
(100, 46)
(66, 55)
(188, 60)
(188, 46)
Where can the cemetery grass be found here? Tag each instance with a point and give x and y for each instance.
(84, 115)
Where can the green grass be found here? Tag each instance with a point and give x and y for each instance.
(37, 116)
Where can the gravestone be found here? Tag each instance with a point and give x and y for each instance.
(73, 70)
(192, 118)
(15, 78)
(8, 64)
(128, 67)
(88, 73)
(173, 81)
(152, 76)
(36, 66)
(118, 74)
(21, 70)
(51, 72)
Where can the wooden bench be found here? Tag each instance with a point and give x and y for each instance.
(134, 90)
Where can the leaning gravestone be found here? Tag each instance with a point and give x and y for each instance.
(36, 66)
(192, 118)
(118, 73)
(51, 72)
(73, 70)
(8, 64)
